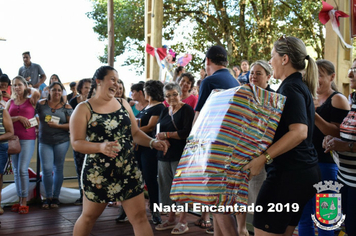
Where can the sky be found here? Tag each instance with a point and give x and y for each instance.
(59, 36)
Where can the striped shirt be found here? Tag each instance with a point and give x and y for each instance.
(347, 168)
(2, 128)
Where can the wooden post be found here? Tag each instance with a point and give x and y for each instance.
(153, 35)
(335, 51)
(111, 39)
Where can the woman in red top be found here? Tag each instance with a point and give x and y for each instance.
(186, 83)
(22, 111)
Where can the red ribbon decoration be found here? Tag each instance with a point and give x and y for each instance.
(162, 52)
(324, 14)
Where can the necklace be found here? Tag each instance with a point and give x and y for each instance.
(53, 110)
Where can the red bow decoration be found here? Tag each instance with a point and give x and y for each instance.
(328, 13)
(324, 14)
(162, 52)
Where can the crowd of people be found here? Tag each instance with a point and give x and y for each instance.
(120, 144)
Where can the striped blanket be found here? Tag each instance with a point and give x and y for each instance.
(234, 126)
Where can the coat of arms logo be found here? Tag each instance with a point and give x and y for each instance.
(328, 205)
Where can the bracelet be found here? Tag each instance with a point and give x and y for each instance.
(165, 135)
(152, 140)
(168, 135)
(269, 159)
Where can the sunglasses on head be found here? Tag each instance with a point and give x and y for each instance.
(284, 38)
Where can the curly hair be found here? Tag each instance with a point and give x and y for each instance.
(154, 88)
(190, 77)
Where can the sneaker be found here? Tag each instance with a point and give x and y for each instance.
(79, 202)
(121, 217)
(156, 218)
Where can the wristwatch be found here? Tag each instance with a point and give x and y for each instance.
(351, 146)
(269, 160)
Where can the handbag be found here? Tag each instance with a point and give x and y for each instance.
(14, 145)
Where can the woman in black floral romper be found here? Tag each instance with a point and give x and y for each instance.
(104, 129)
(107, 179)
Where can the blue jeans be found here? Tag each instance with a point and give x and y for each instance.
(306, 225)
(52, 160)
(3, 156)
(20, 163)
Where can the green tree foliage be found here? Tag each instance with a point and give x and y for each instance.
(247, 28)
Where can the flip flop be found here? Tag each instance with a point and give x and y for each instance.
(15, 207)
(165, 225)
(210, 230)
(180, 228)
(23, 209)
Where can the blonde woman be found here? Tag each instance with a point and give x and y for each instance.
(292, 161)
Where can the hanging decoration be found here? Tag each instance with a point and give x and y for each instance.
(329, 13)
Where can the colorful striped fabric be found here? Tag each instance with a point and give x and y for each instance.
(234, 126)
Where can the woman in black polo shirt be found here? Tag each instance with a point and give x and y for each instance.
(291, 159)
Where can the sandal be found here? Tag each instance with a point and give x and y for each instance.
(15, 207)
(46, 203)
(180, 228)
(210, 230)
(166, 225)
(23, 209)
(54, 203)
(203, 224)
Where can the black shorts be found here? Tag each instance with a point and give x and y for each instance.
(283, 196)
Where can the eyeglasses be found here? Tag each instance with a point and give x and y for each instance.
(283, 37)
(173, 95)
(353, 70)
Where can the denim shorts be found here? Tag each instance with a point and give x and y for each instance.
(3, 156)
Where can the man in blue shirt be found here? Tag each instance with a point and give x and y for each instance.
(218, 77)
